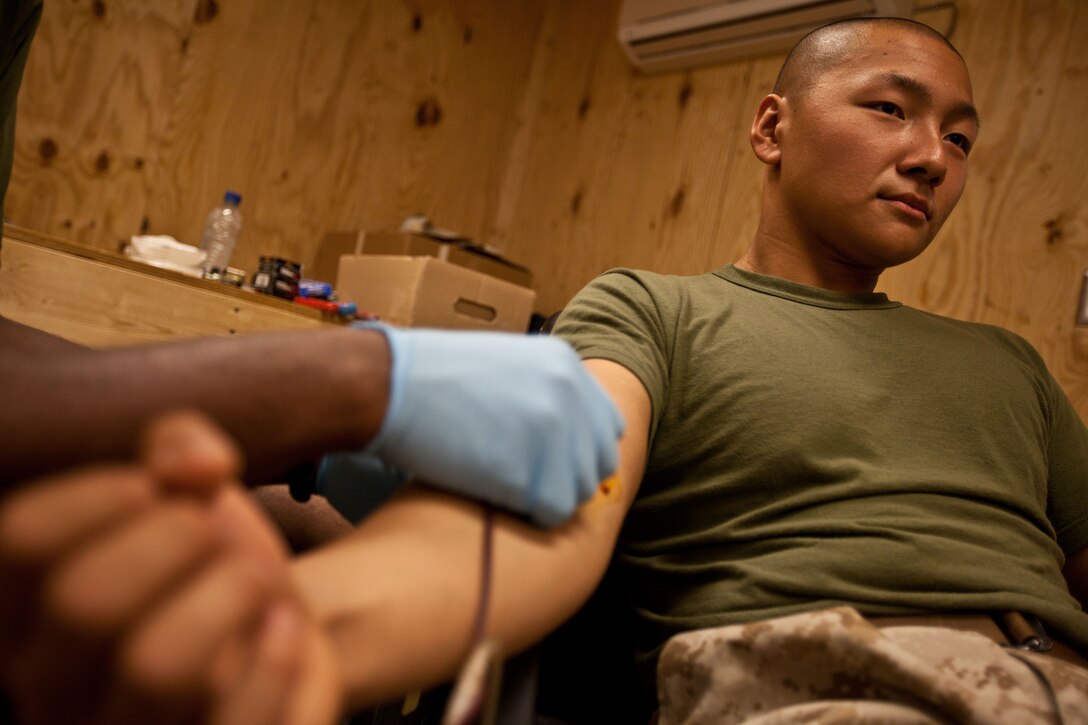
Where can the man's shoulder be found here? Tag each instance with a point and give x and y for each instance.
(623, 304)
(638, 284)
(1000, 337)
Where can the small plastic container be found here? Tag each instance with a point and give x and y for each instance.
(221, 232)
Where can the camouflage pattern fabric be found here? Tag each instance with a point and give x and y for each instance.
(833, 666)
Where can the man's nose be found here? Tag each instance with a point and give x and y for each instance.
(926, 156)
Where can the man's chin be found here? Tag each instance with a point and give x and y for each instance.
(890, 252)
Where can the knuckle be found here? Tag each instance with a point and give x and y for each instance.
(548, 516)
(551, 428)
(564, 387)
(537, 416)
(559, 357)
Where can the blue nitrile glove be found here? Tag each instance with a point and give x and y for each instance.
(514, 420)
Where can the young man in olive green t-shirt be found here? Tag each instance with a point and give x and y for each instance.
(865, 139)
(810, 443)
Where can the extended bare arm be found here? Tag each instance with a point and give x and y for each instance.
(398, 595)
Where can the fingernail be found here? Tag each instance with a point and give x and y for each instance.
(167, 453)
(190, 455)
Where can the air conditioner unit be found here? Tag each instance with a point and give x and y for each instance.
(660, 35)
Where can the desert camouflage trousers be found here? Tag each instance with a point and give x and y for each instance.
(833, 666)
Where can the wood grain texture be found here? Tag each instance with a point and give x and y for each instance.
(1015, 251)
(331, 115)
(522, 124)
(632, 170)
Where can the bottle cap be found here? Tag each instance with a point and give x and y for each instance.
(232, 197)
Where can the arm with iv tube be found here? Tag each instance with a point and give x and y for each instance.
(403, 620)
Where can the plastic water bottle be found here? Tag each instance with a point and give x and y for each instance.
(221, 233)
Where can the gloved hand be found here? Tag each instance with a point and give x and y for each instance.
(514, 420)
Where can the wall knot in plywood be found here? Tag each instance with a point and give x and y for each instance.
(583, 107)
(429, 113)
(676, 204)
(576, 202)
(686, 92)
(1055, 229)
(102, 162)
(98, 8)
(47, 149)
(206, 10)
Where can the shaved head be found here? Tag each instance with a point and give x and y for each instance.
(865, 141)
(827, 46)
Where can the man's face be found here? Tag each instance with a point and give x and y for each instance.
(874, 153)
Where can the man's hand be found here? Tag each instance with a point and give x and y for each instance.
(155, 593)
(511, 419)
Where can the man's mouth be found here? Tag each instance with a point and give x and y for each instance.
(911, 204)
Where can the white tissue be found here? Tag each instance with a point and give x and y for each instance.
(164, 251)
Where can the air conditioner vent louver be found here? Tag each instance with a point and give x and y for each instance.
(660, 35)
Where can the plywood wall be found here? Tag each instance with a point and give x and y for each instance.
(338, 114)
(521, 123)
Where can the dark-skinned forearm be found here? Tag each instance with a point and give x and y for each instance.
(285, 397)
(16, 337)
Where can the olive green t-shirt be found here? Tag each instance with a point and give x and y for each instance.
(810, 448)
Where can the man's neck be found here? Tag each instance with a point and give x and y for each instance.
(776, 258)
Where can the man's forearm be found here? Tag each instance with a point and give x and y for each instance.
(403, 618)
(400, 594)
(285, 397)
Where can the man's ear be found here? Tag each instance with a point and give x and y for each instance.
(765, 130)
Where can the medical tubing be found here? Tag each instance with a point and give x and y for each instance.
(479, 628)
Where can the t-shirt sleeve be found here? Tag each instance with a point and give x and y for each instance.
(1066, 452)
(618, 317)
(1067, 484)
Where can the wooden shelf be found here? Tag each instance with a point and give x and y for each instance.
(102, 299)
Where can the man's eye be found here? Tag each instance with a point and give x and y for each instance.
(960, 140)
(888, 107)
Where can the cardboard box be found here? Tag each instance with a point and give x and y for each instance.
(426, 291)
(460, 252)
